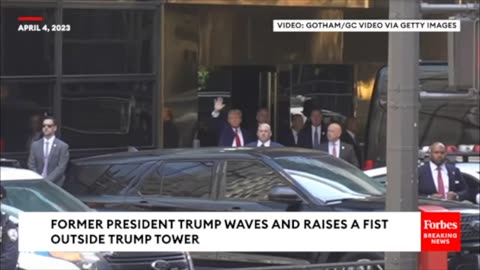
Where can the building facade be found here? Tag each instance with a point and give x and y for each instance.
(108, 79)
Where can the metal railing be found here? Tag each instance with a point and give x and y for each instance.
(363, 265)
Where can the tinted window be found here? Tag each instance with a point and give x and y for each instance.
(180, 179)
(107, 41)
(382, 179)
(118, 114)
(102, 179)
(250, 180)
(40, 196)
(342, 179)
(23, 105)
(26, 53)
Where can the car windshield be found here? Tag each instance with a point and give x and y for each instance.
(330, 179)
(40, 196)
(381, 179)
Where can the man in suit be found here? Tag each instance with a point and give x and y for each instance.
(290, 137)
(313, 135)
(262, 117)
(49, 156)
(437, 179)
(336, 147)
(349, 136)
(231, 134)
(264, 135)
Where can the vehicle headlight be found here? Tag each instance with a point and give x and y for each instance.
(84, 260)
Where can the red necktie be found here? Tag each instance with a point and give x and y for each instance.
(334, 150)
(441, 188)
(237, 138)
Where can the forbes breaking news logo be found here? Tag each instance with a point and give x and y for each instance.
(441, 231)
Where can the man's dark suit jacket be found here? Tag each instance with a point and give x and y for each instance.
(456, 183)
(287, 139)
(272, 144)
(346, 152)
(347, 138)
(226, 134)
(305, 136)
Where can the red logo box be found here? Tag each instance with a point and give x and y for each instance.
(441, 231)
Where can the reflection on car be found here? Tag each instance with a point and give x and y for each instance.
(235, 179)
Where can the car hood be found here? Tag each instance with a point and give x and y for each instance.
(378, 204)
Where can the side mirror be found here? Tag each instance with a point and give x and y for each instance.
(284, 194)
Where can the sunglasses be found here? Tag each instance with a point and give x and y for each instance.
(49, 126)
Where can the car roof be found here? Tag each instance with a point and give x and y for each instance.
(195, 153)
(470, 167)
(465, 167)
(376, 172)
(16, 174)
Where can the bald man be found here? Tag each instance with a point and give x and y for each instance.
(264, 135)
(336, 147)
(439, 180)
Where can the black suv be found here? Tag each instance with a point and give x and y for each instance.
(242, 179)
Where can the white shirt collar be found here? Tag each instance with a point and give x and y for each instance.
(266, 144)
(336, 143)
(435, 166)
(49, 140)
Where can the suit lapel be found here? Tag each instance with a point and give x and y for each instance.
(451, 177)
(311, 136)
(53, 150)
(39, 145)
(342, 153)
(431, 182)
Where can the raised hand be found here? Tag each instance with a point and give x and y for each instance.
(218, 104)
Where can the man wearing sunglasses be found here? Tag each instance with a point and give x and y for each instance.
(49, 156)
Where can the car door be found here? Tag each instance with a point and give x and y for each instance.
(178, 185)
(244, 186)
(105, 186)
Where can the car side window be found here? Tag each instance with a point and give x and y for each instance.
(108, 179)
(250, 180)
(180, 179)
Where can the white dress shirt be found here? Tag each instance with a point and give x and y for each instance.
(266, 144)
(337, 148)
(444, 172)
(319, 131)
(50, 145)
(295, 135)
(234, 143)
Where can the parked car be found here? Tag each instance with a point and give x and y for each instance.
(470, 171)
(27, 191)
(238, 179)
